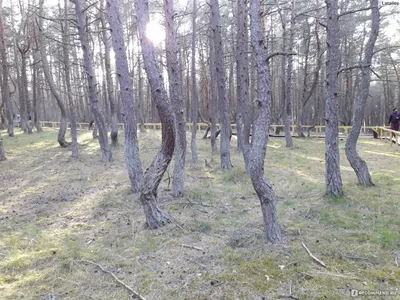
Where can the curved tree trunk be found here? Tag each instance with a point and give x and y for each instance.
(195, 93)
(90, 76)
(219, 66)
(333, 178)
(46, 70)
(260, 134)
(155, 218)
(175, 93)
(357, 163)
(5, 90)
(132, 158)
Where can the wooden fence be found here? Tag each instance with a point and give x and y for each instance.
(318, 130)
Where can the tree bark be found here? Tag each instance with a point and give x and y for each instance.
(333, 177)
(67, 68)
(242, 74)
(24, 96)
(2, 152)
(213, 99)
(220, 76)
(132, 158)
(357, 163)
(195, 93)
(90, 76)
(109, 82)
(5, 88)
(175, 92)
(289, 83)
(258, 149)
(49, 78)
(155, 218)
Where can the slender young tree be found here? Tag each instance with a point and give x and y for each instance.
(213, 98)
(109, 82)
(90, 76)
(155, 218)
(289, 81)
(195, 93)
(220, 76)
(256, 152)
(333, 178)
(357, 163)
(50, 81)
(67, 68)
(132, 158)
(175, 93)
(5, 90)
(242, 74)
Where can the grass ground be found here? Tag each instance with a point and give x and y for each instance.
(55, 213)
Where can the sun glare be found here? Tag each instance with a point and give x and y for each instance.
(155, 32)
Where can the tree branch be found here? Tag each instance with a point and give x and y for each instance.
(354, 11)
(280, 53)
(137, 295)
(353, 67)
(376, 74)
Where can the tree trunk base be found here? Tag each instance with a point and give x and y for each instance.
(155, 218)
(267, 200)
(2, 152)
(359, 166)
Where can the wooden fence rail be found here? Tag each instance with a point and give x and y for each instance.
(390, 136)
(319, 129)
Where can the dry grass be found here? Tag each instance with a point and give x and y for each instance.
(54, 212)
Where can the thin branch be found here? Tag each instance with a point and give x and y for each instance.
(116, 279)
(386, 48)
(314, 257)
(280, 53)
(353, 67)
(376, 74)
(354, 11)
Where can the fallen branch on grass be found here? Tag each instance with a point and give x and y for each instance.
(191, 247)
(136, 294)
(314, 257)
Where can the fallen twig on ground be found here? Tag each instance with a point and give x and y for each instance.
(313, 256)
(192, 247)
(136, 294)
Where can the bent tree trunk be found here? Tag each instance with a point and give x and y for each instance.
(88, 66)
(357, 163)
(49, 78)
(132, 159)
(155, 218)
(175, 92)
(333, 178)
(260, 134)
